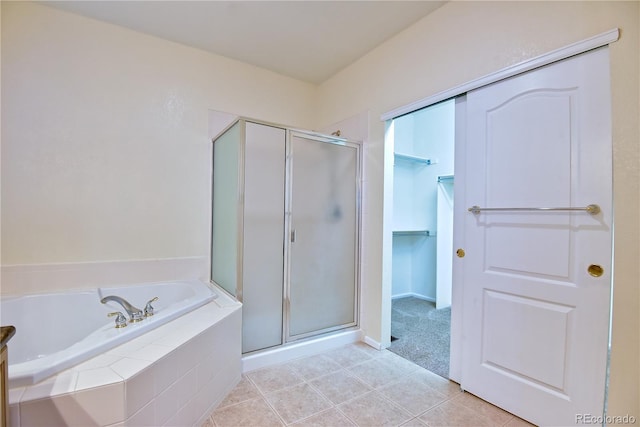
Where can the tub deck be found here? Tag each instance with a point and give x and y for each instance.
(173, 375)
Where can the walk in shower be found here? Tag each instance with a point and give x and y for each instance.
(286, 230)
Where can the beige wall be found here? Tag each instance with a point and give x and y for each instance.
(105, 154)
(462, 41)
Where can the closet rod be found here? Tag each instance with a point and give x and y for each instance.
(592, 209)
(412, 233)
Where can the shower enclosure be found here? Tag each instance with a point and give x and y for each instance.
(285, 230)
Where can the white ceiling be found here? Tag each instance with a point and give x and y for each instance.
(306, 40)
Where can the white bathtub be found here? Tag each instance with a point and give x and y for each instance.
(165, 373)
(59, 330)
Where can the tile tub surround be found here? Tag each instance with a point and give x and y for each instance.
(353, 385)
(173, 375)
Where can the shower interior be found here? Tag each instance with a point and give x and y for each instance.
(286, 230)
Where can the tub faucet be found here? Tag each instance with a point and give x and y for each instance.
(135, 314)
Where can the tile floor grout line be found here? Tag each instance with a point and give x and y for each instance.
(261, 396)
(347, 417)
(304, 381)
(405, 371)
(447, 399)
(451, 400)
(266, 401)
(398, 405)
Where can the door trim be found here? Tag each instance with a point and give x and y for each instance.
(521, 67)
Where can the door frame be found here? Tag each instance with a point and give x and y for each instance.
(459, 92)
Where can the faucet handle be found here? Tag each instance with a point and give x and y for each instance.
(121, 321)
(148, 310)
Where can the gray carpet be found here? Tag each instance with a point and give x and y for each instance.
(422, 333)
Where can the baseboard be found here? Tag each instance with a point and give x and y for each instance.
(41, 278)
(296, 350)
(372, 343)
(414, 295)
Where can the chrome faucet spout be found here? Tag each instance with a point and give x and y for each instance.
(135, 314)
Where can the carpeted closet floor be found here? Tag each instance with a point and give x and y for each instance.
(421, 333)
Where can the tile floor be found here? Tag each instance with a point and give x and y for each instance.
(354, 385)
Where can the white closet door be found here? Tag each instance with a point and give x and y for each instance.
(537, 283)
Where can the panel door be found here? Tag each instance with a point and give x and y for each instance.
(323, 236)
(537, 283)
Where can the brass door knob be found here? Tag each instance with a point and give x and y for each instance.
(595, 270)
(460, 253)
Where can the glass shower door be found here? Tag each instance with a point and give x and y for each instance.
(323, 234)
(225, 222)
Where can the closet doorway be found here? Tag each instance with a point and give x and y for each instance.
(423, 185)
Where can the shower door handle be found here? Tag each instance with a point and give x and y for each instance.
(293, 236)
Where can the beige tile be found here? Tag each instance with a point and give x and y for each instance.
(99, 361)
(329, 418)
(96, 378)
(188, 414)
(274, 378)
(184, 388)
(368, 349)
(15, 394)
(348, 355)
(97, 406)
(245, 390)
(437, 383)
(479, 406)
(518, 422)
(151, 352)
(251, 413)
(166, 406)
(139, 390)
(314, 366)
(127, 368)
(106, 404)
(297, 402)
(14, 415)
(399, 362)
(414, 423)
(450, 414)
(166, 372)
(340, 387)
(403, 391)
(413, 395)
(64, 382)
(372, 409)
(208, 423)
(43, 412)
(377, 373)
(145, 417)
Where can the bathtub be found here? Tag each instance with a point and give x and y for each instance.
(69, 365)
(59, 330)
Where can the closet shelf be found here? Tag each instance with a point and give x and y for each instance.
(445, 178)
(415, 159)
(411, 233)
